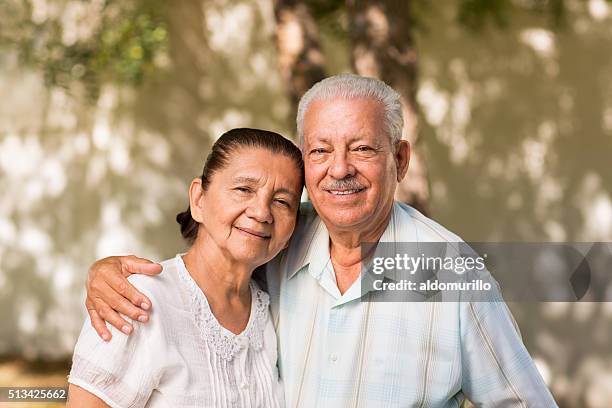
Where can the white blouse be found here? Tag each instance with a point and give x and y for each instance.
(182, 357)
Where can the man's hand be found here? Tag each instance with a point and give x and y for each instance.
(109, 293)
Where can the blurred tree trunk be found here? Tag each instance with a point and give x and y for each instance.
(383, 47)
(300, 59)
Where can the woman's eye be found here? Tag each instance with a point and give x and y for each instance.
(283, 203)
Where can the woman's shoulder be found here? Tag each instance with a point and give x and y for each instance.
(162, 287)
(120, 371)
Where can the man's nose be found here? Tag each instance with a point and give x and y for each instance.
(260, 210)
(341, 167)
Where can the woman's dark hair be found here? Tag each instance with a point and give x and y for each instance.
(221, 154)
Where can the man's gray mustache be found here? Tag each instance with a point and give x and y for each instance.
(344, 184)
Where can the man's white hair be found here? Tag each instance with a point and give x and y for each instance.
(350, 86)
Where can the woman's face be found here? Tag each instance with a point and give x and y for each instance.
(249, 210)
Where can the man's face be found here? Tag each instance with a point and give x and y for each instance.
(351, 166)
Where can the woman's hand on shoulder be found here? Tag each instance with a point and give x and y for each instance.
(110, 293)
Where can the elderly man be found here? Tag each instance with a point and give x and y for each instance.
(338, 347)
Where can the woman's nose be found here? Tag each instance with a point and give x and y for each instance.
(260, 211)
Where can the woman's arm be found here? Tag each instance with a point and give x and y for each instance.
(125, 370)
(79, 397)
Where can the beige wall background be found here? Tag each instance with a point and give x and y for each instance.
(516, 131)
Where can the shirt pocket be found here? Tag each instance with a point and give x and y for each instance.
(410, 374)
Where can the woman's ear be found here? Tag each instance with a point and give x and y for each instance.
(196, 199)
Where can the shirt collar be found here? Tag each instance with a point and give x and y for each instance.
(401, 228)
(310, 243)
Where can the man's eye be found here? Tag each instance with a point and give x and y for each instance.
(318, 151)
(363, 149)
(243, 189)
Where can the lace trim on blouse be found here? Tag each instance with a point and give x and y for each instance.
(225, 343)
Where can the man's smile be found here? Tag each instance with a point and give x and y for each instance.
(345, 192)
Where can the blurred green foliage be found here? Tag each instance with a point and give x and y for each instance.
(127, 40)
(470, 14)
(110, 41)
(474, 14)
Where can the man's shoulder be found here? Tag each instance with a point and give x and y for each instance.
(413, 224)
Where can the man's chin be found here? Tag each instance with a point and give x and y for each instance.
(344, 218)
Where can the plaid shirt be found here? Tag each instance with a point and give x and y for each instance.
(345, 351)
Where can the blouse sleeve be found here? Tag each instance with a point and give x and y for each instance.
(122, 372)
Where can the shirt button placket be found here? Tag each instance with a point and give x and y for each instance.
(243, 383)
(332, 344)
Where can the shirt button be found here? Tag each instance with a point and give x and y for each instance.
(333, 357)
(242, 342)
(244, 385)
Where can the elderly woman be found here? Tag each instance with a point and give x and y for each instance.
(210, 341)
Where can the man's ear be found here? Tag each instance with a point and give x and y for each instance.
(196, 202)
(402, 158)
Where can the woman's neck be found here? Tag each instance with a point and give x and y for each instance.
(210, 268)
(224, 282)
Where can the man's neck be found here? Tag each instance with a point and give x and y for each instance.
(346, 252)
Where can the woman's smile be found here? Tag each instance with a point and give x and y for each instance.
(251, 233)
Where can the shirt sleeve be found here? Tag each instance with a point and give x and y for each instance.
(497, 368)
(122, 372)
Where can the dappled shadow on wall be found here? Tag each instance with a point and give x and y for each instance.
(516, 128)
(83, 179)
